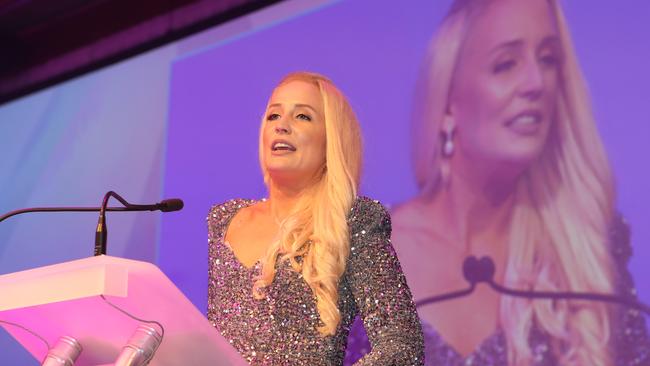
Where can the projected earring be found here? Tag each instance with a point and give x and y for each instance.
(448, 141)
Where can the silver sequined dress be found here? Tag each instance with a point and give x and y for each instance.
(281, 329)
(630, 341)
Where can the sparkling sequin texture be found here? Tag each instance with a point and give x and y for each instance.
(630, 342)
(281, 329)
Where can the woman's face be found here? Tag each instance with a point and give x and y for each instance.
(503, 96)
(293, 133)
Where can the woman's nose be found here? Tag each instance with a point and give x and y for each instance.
(282, 127)
(532, 81)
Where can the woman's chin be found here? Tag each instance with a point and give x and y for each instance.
(285, 174)
(519, 153)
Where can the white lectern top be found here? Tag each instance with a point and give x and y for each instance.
(63, 299)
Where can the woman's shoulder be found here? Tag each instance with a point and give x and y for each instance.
(620, 249)
(369, 204)
(619, 238)
(223, 211)
(368, 212)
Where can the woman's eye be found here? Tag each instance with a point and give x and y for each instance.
(503, 66)
(303, 117)
(549, 60)
(272, 117)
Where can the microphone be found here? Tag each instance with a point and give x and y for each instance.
(170, 205)
(167, 205)
(482, 270)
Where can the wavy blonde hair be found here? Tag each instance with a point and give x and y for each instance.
(558, 237)
(314, 237)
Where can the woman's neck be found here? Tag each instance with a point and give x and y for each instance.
(475, 208)
(283, 198)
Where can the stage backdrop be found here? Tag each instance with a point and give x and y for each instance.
(182, 121)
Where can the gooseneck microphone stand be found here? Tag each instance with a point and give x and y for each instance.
(482, 270)
(168, 205)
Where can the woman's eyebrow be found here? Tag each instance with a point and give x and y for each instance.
(298, 105)
(516, 43)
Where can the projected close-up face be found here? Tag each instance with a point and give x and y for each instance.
(293, 132)
(504, 89)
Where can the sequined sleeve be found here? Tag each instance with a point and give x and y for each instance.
(631, 341)
(215, 216)
(380, 290)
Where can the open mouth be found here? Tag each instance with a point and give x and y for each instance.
(527, 122)
(282, 146)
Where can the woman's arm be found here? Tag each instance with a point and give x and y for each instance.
(380, 290)
(214, 223)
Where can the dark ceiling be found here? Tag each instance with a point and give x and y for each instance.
(43, 42)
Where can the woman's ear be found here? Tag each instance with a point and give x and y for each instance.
(449, 119)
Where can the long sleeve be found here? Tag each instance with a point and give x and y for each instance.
(214, 217)
(630, 334)
(380, 290)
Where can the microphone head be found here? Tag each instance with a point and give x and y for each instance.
(487, 268)
(478, 270)
(172, 204)
(470, 268)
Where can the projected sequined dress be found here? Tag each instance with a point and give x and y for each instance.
(629, 340)
(281, 329)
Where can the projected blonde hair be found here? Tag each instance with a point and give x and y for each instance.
(563, 207)
(314, 238)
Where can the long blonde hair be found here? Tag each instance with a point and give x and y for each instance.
(563, 204)
(314, 238)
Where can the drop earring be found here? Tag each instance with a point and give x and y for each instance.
(448, 142)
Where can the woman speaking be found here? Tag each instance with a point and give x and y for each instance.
(287, 275)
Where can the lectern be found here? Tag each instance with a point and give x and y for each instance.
(64, 300)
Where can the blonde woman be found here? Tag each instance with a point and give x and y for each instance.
(510, 165)
(288, 274)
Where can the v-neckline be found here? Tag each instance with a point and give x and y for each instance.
(226, 244)
(237, 260)
(442, 342)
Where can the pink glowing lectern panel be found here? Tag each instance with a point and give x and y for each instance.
(63, 299)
